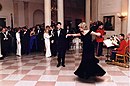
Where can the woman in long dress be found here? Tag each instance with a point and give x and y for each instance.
(47, 41)
(89, 64)
(18, 41)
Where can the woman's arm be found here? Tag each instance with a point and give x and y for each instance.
(46, 35)
(77, 34)
(95, 33)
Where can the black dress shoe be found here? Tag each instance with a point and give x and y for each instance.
(1, 58)
(63, 65)
(58, 65)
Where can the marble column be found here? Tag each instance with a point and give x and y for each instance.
(60, 11)
(94, 10)
(47, 9)
(26, 10)
(128, 28)
(87, 15)
(16, 16)
(21, 15)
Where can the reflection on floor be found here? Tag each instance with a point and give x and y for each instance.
(36, 70)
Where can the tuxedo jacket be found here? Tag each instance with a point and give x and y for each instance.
(4, 43)
(61, 41)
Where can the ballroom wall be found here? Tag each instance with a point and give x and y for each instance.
(113, 7)
(7, 9)
(24, 12)
(33, 7)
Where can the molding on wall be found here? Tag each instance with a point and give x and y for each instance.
(0, 6)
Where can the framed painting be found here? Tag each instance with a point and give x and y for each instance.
(109, 23)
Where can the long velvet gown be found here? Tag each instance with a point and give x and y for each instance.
(89, 64)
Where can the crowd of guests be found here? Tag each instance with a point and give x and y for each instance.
(21, 40)
(55, 41)
(24, 40)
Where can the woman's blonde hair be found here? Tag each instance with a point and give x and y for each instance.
(83, 25)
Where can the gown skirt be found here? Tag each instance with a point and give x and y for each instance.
(89, 69)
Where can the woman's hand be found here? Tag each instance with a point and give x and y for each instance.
(69, 35)
(98, 34)
(115, 48)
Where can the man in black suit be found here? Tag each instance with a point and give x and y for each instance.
(52, 31)
(70, 38)
(4, 42)
(1, 58)
(25, 40)
(61, 43)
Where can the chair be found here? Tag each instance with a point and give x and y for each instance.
(124, 57)
(73, 45)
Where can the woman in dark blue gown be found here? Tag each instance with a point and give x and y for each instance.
(89, 64)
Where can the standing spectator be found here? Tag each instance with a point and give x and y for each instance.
(47, 41)
(4, 42)
(99, 40)
(33, 39)
(13, 40)
(52, 42)
(18, 41)
(1, 58)
(39, 36)
(25, 40)
(69, 39)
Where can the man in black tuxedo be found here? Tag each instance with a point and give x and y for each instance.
(52, 31)
(70, 38)
(1, 58)
(25, 40)
(4, 42)
(61, 43)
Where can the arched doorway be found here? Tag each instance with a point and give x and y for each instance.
(38, 17)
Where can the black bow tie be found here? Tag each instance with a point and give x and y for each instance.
(58, 29)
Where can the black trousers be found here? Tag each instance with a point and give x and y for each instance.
(53, 49)
(99, 48)
(61, 57)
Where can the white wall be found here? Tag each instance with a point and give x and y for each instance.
(32, 8)
(7, 9)
(113, 7)
(38, 17)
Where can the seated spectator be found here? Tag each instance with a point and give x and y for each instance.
(128, 42)
(120, 49)
(128, 37)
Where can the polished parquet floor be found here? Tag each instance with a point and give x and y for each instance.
(36, 70)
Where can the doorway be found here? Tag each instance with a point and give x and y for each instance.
(3, 22)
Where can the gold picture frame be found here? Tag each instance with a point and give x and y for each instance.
(109, 22)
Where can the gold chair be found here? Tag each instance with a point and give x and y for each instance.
(124, 57)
